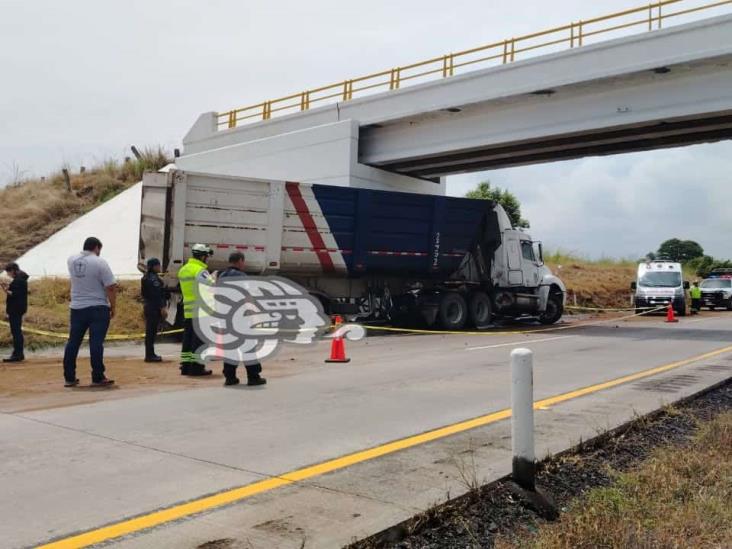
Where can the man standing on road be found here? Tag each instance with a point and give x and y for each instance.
(696, 295)
(154, 296)
(236, 269)
(191, 275)
(93, 300)
(16, 306)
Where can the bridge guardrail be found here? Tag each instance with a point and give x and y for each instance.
(572, 35)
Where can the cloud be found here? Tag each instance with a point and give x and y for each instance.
(625, 205)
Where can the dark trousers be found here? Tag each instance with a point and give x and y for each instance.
(189, 359)
(253, 369)
(16, 330)
(695, 304)
(152, 322)
(96, 321)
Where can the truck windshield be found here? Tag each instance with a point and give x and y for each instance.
(660, 280)
(716, 283)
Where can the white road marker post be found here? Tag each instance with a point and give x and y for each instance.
(522, 418)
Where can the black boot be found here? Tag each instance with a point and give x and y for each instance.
(14, 358)
(256, 380)
(153, 358)
(197, 370)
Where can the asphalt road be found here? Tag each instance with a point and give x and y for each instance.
(110, 467)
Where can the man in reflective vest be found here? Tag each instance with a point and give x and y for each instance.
(191, 275)
(696, 295)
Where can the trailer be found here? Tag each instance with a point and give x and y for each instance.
(371, 254)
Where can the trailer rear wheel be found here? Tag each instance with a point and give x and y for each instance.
(480, 309)
(453, 313)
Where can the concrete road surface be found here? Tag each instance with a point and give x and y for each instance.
(182, 468)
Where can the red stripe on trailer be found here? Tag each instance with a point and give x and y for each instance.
(308, 223)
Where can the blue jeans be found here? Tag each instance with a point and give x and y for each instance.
(96, 321)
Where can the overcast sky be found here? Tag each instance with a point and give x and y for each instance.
(81, 80)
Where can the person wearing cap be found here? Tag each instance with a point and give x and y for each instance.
(93, 299)
(155, 297)
(191, 275)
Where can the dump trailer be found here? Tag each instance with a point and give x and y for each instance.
(370, 254)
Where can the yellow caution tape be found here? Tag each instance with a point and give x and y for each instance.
(579, 308)
(110, 337)
(512, 332)
(133, 337)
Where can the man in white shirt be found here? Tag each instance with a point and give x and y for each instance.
(93, 300)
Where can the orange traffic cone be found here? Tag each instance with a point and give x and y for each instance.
(338, 346)
(670, 317)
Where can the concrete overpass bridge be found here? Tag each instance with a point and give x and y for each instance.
(493, 106)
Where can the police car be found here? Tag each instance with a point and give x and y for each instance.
(717, 290)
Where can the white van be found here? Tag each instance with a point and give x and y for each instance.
(658, 284)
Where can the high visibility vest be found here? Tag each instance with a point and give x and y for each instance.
(190, 275)
(695, 292)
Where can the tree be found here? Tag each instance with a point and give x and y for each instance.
(505, 198)
(680, 250)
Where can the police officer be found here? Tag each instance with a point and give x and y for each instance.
(155, 297)
(254, 368)
(190, 275)
(696, 295)
(15, 307)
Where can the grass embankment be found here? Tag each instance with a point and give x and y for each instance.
(594, 283)
(32, 210)
(679, 497)
(48, 310)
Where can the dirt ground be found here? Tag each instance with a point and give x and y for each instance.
(37, 383)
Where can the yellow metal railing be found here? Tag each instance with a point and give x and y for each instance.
(648, 17)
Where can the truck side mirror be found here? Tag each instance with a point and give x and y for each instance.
(686, 285)
(633, 286)
(541, 254)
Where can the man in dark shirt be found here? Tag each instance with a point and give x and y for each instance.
(254, 368)
(155, 298)
(16, 306)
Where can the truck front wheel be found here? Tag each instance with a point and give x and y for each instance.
(453, 311)
(554, 309)
(480, 309)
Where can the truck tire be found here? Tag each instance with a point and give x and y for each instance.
(554, 309)
(453, 313)
(480, 309)
(682, 308)
(729, 304)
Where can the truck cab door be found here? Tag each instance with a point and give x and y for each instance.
(529, 264)
(513, 256)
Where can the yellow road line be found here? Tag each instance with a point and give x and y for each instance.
(234, 495)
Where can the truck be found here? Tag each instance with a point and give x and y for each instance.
(659, 283)
(367, 254)
(716, 290)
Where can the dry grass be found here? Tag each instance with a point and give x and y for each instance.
(596, 283)
(680, 497)
(48, 310)
(33, 210)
